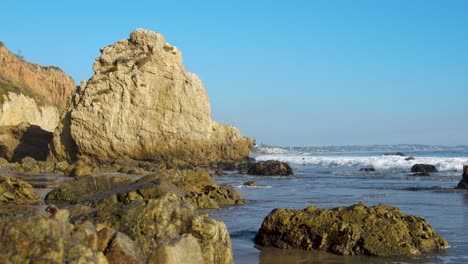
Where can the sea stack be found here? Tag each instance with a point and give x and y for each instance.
(142, 104)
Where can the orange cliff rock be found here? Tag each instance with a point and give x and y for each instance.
(50, 83)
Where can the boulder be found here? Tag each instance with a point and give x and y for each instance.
(270, 168)
(380, 230)
(463, 184)
(16, 191)
(24, 140)
(199, 187)
(143, 77)
(33, 235)
(423, 168)
(118, 247)
(184, 249)
(155, 222)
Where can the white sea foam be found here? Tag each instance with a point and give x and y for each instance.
(377, 162)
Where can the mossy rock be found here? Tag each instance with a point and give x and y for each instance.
(380, 230)
(16, 191)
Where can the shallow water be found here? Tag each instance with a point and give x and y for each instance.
(431, 197)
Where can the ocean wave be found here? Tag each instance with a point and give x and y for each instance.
(377, 162)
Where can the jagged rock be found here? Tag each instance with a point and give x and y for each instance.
(24, 140)
(270, 168)
(144, 77)
(118, 247)
(423, 168)
(16, 191)
(32, 235)
(154, 222)
(200, 187)
(184, 249)
(49, 84)
(463, 184)
(380, 230)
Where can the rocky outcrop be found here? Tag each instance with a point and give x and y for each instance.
(270, 168)
(199, 187)
(356, 230)
(105, 190)
(142, 104)
(463, 184)
(49, 84)
(16, 191)
(24, 140)
(424, 168)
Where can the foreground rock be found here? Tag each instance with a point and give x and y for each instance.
(158, 222)
(270, 168)
(144, 77)
(423, 168)
(16, 191)
(32, 235)
(24, 140)
(356, 230)
(463, 184)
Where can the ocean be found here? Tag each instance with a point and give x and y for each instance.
(329, 177)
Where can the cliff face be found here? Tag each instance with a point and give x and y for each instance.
(18, 108)
(142, 104)
(51, 84)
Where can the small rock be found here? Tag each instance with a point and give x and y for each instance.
(219, 172)
(463, 184)
(61, 166)
(423, 168)
(80, 169)
(250, 183)
(369, 169)
(410, 158)
(270, 168)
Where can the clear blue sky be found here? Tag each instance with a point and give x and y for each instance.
(284, 72)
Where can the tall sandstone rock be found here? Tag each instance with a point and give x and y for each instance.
(142, 104)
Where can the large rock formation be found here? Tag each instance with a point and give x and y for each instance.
(50, 84)
(380, 230)
(142, 104)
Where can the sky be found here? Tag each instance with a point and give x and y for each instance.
(286, 73)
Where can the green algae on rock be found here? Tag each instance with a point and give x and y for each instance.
(32, 235)
(16, 191)
(380, 230)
